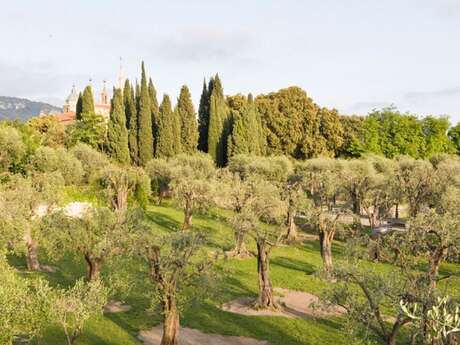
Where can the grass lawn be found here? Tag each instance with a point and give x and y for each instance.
(292, 267)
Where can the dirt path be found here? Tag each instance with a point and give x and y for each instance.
(292, 304)
(188, 336)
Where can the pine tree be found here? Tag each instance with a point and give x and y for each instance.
(131, 121)
(144, 135)
(78, 108)
(188, 125)
(218, 124)
(117, 134)
(203, 119)
(165, 143)
(155, 113)
(87, 102)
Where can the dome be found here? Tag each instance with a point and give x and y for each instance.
(73, 97)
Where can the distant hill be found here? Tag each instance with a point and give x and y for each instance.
(12, 108)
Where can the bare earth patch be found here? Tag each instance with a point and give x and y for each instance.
(292, 304)
(116, 307)
(188, 336)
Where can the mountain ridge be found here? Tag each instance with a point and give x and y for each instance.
(16, 108)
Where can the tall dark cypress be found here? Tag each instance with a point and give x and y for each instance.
(78, 108)
(187, 117)
(131, 121)
(166, 143)
(155, 113)
(218, 124)
(144, 135)
(117, 134)
(203, 117)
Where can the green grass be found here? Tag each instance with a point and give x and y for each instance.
(292, 267)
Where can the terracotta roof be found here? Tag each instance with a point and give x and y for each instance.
(66, 118)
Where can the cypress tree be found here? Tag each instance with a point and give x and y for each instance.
(87, 102)
(117, 134)
(165, 143)
(218, 124)
(188, 125)
(144, 135)
(155, 112)
(78, 109)
(176, 130)
(203, 119)
(131, 121)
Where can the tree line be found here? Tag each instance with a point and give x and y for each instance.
(286, 122)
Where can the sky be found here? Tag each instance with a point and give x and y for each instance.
(354, 55)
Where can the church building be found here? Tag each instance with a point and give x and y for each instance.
(101, 103)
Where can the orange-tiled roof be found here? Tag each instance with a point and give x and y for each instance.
(66, 118)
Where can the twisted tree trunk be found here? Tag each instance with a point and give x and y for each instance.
(32, 252)
(240, 250)
(292, 233)
(266, 299)
(187, 215)
(435, 262)
(171, 322)
(94, 267)
(325, 238)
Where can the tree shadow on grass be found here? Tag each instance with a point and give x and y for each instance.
(276, 330)
(164, 221)
(293, 264)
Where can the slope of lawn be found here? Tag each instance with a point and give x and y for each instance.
(292, 267)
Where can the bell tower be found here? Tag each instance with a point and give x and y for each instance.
(104, 95)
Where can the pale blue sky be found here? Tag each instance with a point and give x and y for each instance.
(352, 55)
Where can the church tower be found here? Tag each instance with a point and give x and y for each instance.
(71, 101)
(104, 95)
(121, 77)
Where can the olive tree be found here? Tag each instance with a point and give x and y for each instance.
(25, 306)
(177, 265)
(293, 193)
(382, 192)
(366, 295)
(159, 171)
(262, 218)
(416, 179)
(435, 233)
(321, 180)
(49, 160)
(192, 183)
(96, 233)
(92, 161)
(72, 308)
(24, 200)
(119, 183)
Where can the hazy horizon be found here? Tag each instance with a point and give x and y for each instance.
(354, 57)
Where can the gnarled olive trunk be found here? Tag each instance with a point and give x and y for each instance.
(171, 322)
(292, 233)
(325, 238)
(32, 252)
(266, 299)
(187, 215)
(240, 249)
(435, 262)
(94, 267)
